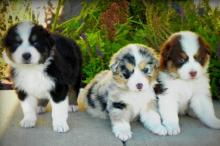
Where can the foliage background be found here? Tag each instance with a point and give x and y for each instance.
(103, 27)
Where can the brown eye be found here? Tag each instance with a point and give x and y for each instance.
(197, 58)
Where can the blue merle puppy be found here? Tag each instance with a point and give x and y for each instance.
(126, 91)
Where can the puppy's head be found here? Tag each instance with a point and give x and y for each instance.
(134, 67)
(185, 54)
(28, 43)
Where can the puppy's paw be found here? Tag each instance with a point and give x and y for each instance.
(60, 127)
(28, 122)
(122, 131)
(73, 108)
(172, 129)
(41, 110)
(160, 130)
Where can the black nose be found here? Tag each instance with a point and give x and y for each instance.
(139, 86)
(26, 56)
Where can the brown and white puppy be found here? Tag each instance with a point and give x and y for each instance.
(183, 63)
(126, 91)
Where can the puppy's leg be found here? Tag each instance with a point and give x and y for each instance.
(60, 115)
(72, 100)
(203, 108)
(73, 95)
(168, 109)
(41, 106)
(29, 105)
(120, 120)
(151, 120)
(59, 103)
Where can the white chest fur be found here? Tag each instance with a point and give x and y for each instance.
(137, 101)
(182, 91)
(33, 80)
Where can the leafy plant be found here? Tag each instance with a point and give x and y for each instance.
(147, 22)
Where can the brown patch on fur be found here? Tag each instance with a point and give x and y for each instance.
(129, 66)
(203, 53)
(153, 76)
(172, 55)
(119, 79)
(142, 65)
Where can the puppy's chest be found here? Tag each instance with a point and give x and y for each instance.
(137, 101)
(34, 81)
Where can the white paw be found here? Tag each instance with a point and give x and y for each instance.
(160, 130)
(28, 122)
(73, 108)
(60, 127)
(172, 129)
(122, 132)
(41, 109)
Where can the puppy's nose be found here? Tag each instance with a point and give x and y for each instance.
(139, 86)
(26, 56)
(193, 73)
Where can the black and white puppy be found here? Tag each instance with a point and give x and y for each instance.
(44, 66)
(125, 92)
(184, 61)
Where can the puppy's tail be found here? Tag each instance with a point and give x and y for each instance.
(81, 100)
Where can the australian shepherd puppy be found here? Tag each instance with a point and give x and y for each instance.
(44, 66)
(126, 92)
(184, 61)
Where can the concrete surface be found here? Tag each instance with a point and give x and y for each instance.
(87, 131)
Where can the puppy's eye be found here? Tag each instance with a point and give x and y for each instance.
(182, 61)
(199, 59)
(36, 43)
(146, 70)
(17, 43)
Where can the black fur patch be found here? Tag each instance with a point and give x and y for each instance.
(119, 105)
(129, 58)
(21, 94)
(91, 102)
(159, 87)
(102, 102)
(42, 40)
(125, 72)
(65, 68)
(59, 93)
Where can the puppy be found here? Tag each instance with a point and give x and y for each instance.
(184, 61)
(126, 92)
(44, 66)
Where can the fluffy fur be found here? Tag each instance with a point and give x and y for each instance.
(183, 63)
(125, 92)
(44, 66)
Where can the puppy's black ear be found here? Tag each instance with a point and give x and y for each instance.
(43, 32)
(9, 35)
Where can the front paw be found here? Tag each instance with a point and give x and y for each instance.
(160, 130)
(172, 129)
(28, 122)
(60, 127)
(122, 131)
